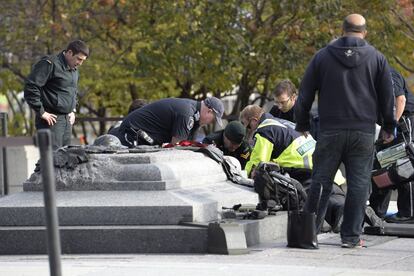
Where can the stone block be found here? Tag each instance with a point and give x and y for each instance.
(198, 204)
(135, 171)
(106, 239)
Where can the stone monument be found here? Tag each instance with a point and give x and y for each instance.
(115, 200)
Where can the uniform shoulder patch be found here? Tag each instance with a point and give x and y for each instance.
(49, 59)
(190, 123)
(245, 155)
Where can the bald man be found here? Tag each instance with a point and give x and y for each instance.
(354, 85)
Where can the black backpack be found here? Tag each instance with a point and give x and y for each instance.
(275, 188)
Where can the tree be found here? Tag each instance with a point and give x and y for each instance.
(186, 48)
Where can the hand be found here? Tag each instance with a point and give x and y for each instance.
(71, 118)
(387, 137)
(49, 118)
(252, 173)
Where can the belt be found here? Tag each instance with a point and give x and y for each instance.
(140, 137)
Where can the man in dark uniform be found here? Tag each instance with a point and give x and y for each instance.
(51, 90)
(168, 121)
(231, 141)
(380, 198)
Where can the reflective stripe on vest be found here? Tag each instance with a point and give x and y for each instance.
(298, 154)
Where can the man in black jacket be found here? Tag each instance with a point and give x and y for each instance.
(51, 90)
(231, 140)
(168, 121)
(284, 95)
(354, 84)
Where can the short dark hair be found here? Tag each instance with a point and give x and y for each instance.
(352, 28)
(78, 46)
(285, 86)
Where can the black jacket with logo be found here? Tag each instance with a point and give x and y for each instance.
(353, 81)
(52, 86)
(164, 119)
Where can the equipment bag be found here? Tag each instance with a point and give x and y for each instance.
(402, 171)
(273, 186)
(397, 161)
(301, 229)
(390, 155)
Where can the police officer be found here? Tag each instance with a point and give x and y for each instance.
(168, 121)
(231, 141)
(51, 90)
(380, 198)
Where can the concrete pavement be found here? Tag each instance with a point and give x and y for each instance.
(383, 256)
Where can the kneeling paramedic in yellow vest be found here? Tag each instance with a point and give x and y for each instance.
(277, 142)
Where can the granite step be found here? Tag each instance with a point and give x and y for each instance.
(106, 239)
(198, 204)
(137, 239)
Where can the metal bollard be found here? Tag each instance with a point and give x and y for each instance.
(3, 168)
(44, 142)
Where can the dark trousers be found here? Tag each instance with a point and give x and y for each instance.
(355, 149)
(336, 200)
(61, 131)
(380, 198)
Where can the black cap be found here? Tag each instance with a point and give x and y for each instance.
(235, 132)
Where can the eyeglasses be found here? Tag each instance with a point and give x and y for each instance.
(281, 103)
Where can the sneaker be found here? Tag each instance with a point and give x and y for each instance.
(359, 244)
(397, 219)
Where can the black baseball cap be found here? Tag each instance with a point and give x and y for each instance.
(235, 132)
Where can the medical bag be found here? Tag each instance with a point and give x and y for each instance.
(395, 163)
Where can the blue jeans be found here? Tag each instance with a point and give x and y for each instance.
(355, 149)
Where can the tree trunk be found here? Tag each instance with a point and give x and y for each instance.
(133, 91)
(185, 89)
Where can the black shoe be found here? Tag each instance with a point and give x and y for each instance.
(336, 228)
(397, 219)
(372, 219)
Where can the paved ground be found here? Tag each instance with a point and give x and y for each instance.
(383, 256)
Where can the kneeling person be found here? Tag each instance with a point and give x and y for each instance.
(285, 146)
(168, 121)
(231, 140)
